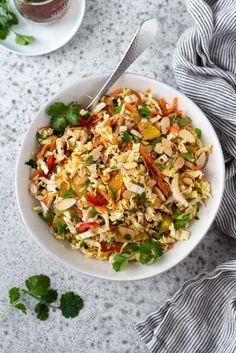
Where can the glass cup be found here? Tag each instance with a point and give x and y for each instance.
(42, 11)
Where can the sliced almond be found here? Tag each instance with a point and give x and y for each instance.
(130, 165)
(78, 180)
(165, 124)
(96, 153)
(187, 136)
(125, 230)
(187, 181)
(127, 194)
(167, 149)
(176, 191)
(33, 188)
(98, 107)
(159, 193)
(200, 162)
(65, 204)
(179, 163)
(151, 183)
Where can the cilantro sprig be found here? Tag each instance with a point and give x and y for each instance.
(8, 19)
(62, 115)
(39, 288)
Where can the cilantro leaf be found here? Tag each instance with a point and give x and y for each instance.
(48, 217)
(173, 119)
(119, 261)
(94, 212)
(198, 132)
(72, 115)
(14, 294)
(56, 109)
(38, 285)
(127, 137)
(60, 228)
(4, 33)
(116, 110)
(21, 307)
(188, 156)
(142, 197)
(32, 163)
(59, 123)
(144, 112)
(114, 167)
(184, 121)
(39, 138)
(23, 40)
(89, 160)
(127, 236)
(66, 194)
(50, 296)
(42, 311)
(159, 166)
(70, 304)
(149, 251)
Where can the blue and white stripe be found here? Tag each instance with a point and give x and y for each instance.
(201, 317)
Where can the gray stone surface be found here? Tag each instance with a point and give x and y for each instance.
(106, 325)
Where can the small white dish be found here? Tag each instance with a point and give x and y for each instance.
(47, 37)
(215, 171)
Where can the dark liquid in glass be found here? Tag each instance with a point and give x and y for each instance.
(43, 11)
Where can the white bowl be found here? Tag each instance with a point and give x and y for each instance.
(75, 259)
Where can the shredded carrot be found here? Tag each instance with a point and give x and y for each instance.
(195, 167)
(161, 186)
(53, 144)
(131, 108)
(101, 209)
(156, 170)
(169, 246)
(173, 105)
(115, 92)
(79, 213)
(173, 128)
(107, 123)
(128, 147)
(123, 188)
(162, 104)
(44, 149)
(114, 140)
(104, 194)
(35, 173)
(144, 155)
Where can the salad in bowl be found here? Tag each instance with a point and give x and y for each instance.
(122, 182)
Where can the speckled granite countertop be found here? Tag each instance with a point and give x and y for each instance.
(106, 325)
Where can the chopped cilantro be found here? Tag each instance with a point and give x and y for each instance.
(135, 138)
(197, 218)
(119, 261)
(173, 119)
(144, 112)
(114, 167)
(89, 160)
(198, 132)
(127, 137)
(109, 243)
(155, 235)
(116, 110)
(94, 212)
(39, 138)
(188, 156)
(159, 166)
(66, 194)
(142, 197)
(60, 228)
(184, 121)
(127, 236)
(32, 163)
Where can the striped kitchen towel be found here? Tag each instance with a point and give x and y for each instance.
(201, 317)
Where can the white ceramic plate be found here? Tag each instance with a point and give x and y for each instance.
(75, 259)
(47, 37)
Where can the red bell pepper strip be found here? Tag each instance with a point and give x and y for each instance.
(86, 225)
(51, 162)
(112, 247)
(83, 122)
(95, 201)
